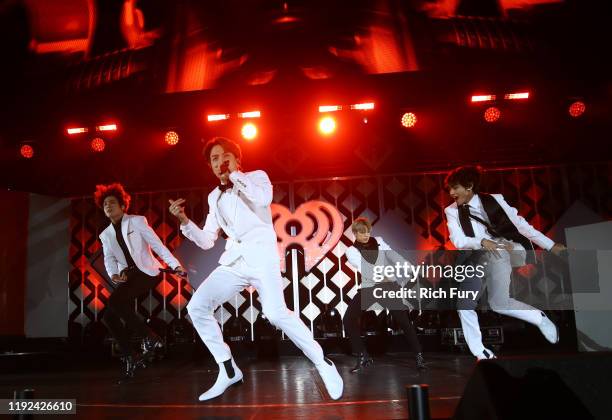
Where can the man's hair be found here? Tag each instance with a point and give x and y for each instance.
(465, 176)
(361, 222)
(115, 190)
(227, 145)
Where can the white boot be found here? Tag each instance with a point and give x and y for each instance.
(549, 330)
(331, 378)
(222, 382)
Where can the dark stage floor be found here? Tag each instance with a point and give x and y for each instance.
(285, 388)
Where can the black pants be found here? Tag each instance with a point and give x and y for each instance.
(353, 331)
(120, 307)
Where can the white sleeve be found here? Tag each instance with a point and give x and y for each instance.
(110, 261)
(354, 258)
(523, 226)
(457, 236)
(155, 243)
(256, 186)
(204, 238)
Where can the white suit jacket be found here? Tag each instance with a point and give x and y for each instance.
(249, 225)
(387, 257)
(458, 238)
(139, 238)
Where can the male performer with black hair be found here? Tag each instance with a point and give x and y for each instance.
(480, 221)
(240, 206)
(373, 251)
(127, 244)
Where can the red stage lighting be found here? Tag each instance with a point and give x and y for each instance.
(76, 130)
(217, 117)
(249, 131)
(330, 108)
(27, 151)
(250, 114)
(492, 114)
(483, 98)
(98, 145)
(576, 109)
(364, 106)
(107, 127)
(327, 125)
(171, 138)
(518, 95)
(409, 119)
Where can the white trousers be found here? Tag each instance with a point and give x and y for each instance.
(498, 276)
(224, 283)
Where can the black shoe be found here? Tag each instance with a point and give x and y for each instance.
(130, 365)
(153, 347)
(363, 361)
(420, 362)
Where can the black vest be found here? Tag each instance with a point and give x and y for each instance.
(501, 225)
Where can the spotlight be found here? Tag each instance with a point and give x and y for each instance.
(249, 131)
(76, 130)
(171, 138)
(107, 127)
(492, 114)
(576, 109)
(330, 108)
(364, 106)
(98, 145)
(519, 95)
(483, 98)
(217, 117)
(327, 125)
(250, 114)
(409, 119)
(27, 151)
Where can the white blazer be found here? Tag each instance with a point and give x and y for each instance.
(139, 238)
(249, 225)
(387, 257)
(461, 241)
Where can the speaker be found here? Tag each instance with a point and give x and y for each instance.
(554, 387)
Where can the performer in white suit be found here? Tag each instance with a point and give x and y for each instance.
(366, 252)
(479, 221)
(127, 244)
(240, 206)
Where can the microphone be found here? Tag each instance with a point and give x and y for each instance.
(224, 167)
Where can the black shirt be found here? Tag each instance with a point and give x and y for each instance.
(123, 245)
(369, 250)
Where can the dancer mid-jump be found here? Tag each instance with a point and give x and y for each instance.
(240, 206)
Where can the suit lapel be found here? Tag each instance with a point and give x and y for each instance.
(220, 219)
(125, 224)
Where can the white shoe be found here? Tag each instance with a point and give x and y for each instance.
(486, 355)
(331, 378)
(549, 329)
(222, 382)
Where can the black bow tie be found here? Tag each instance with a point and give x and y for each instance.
(224, 187)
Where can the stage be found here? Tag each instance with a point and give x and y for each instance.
(285, 388)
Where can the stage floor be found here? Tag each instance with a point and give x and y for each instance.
(286, 388)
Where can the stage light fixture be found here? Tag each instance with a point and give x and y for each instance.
(249, 131)
(217, 117)
(171, 138)
(577, 109)
(71, 131)
(98, 145)
(492, 114)
(107, 127)
(250, 114)
(518, 95)
(27, 151)
(409, 119)
(330, 108)
(364, 106)
(327, 125)
(482, 98)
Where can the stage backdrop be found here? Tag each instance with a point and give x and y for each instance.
(408, 209)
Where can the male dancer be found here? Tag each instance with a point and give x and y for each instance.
(127, 244)
(240, 206)
(365, 250)
(480, 221)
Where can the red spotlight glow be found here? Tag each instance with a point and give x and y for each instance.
(98, 145)
(249, 131)
(171, 138)
(330, 108)
(364, 106)
(576, 109)
(27, 151)
(76, 130)
(250, 114)
(409, 120)
(327, 125)
(483, 98)
(107, 127)
(519, 95)
(492, 114)
(217, 117)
